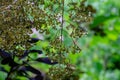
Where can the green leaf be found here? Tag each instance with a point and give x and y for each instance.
(101, 19)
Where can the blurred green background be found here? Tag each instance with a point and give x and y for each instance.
(100, 56)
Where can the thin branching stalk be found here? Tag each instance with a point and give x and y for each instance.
(62, 24)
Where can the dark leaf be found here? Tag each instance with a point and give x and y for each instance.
(101, 19)
(6, 60)
(26, 52)
(33, 40)
(2, 69)
(38, 77)
(99, 31)
(29, 26)
(9, 61)
(22, 73)
(31, 69)
(38, 51)
(13, 64)
(46, 60)
(8, 79)
(4, 54)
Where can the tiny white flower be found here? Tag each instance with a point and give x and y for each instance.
(61, 38)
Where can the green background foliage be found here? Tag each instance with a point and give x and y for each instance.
(100, 56)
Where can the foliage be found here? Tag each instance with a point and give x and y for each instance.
(21, 68)
(48, 25)
(99, 59)
(56, 28)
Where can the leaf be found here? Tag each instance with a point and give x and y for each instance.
(38, 77)
(38, 51)
(12, 63)
(46, 60)
(2, 75)
(3, 70)
(4, 54)
(33, 40)
(26, 52)
(31, 69)
(101, 19)
(9, 61)
(22, 73)
(6, 60)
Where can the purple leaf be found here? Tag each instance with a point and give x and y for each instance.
(9, 61)
(4, 54)
(6, 60)
(38, 77)
(38, 51)
(12, 63)
(22, 72)
(26, 52)
(33, 40)
(46, 60)
(31, 69)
